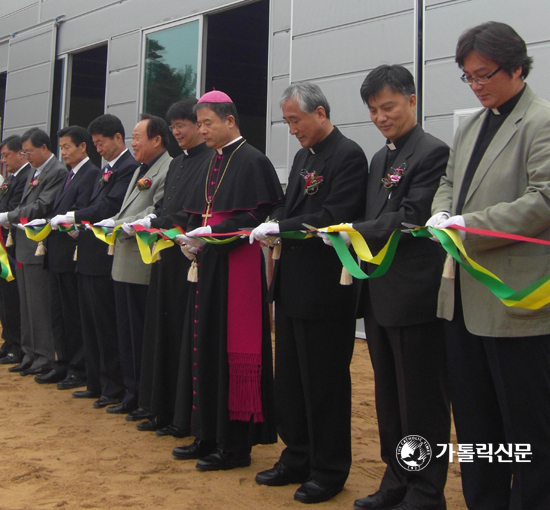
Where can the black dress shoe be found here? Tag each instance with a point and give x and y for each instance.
(279, 475)
(70, 383)
(3, 351)
(152, 424)
(35, 371)
(314, 491)
(123, 408)
(222, 460)
(379, 501)
(171, 430)
(10, 359)
(85, 394)
(139, 414)
(104, 401)
(51, 377)
(19, 368)
(196, 450)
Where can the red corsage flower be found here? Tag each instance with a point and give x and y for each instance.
(34, 182)
(392, 179)
(144, 184)
(105, 177)
(4, 188)
(312, 183)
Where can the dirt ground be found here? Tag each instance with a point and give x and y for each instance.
(59, 452)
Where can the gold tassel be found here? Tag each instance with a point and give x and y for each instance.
(345, 277)
(9, 240)
(187, 253)
(276, 253)
(449, 268)
(193, 274)
(40, 250)
(75, 256)
(111, 249)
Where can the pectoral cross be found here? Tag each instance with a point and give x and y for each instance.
(206, 215)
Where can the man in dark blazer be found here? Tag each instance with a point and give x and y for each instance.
(69, 370)
(33, 280)
(406, 340)
(11, 192)
(314, 319)
(95, 286)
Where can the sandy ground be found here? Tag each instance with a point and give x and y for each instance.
(59, 452)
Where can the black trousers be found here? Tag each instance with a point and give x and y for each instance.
(66, 324)
(313, 395)
(99, 334)
(130, 299)
(412, 398)
(500, 393)
(10, 316)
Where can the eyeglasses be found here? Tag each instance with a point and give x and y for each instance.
(178, 127)
(27, 153)
(480, 80)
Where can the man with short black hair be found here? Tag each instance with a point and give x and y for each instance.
(498, 179)
(69, 367)
(405, 338)
(11, 189)
(130, 274)
(314, 316)
(33, 280)
(95, 286)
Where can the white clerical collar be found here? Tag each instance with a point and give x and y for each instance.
(311, 150)
(41, 167)
(80, 165)
(495, 111)
(220, 151)
(185, 152)
(391, 146)
(113, 162)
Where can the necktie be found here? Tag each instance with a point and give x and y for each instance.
(69, 178)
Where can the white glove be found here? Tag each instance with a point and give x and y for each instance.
(35, 223)
(3, 218)
(328, 242)
(56, 220)
(129, 229)
(453, 220)
(145, 222)
(197, 243)
(105, 223)
(437, 218)
(261, 232)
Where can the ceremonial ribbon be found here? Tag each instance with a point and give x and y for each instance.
(147, 237)
(103, 234)
(5, 268)
(39, 232)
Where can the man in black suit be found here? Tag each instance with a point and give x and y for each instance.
(32, 279)
(314, 319)
(69, 370)
(95, 286)
(405, 339)
(11, 192)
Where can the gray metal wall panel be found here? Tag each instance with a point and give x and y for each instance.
(120, 18)
(26, 112)
(128, 115)
(280, 54)
(4, 47)
(18, 19)
(367, 136)
(279, 146)
(123, 86)
(441, 127)
(315, 15)
(124, 51)
(281, 11)
(70, 8)
(277, 89)
(29, 82)
(30, 50)
(330, 53)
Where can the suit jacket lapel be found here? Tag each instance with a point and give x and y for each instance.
(294, 186)
(500, 141)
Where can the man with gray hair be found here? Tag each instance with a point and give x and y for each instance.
(314, 319)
